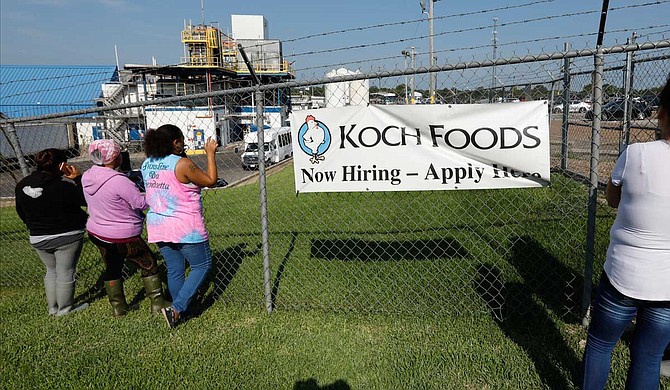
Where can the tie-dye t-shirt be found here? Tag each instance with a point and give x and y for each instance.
(175, 209)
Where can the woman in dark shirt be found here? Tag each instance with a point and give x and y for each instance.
(49, 201)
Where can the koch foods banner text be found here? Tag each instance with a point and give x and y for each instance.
(421, 147)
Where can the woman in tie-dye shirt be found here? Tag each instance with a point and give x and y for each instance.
(175, 220)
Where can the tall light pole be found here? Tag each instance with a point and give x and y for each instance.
(422, 3)
(404, 56)
(409, 54)
(495, 47)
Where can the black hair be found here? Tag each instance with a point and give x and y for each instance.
(664, 97)
(49, 160)
(158, 143)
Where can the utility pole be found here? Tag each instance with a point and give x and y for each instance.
(404, 56)
(432, 58)
(422, 3)
(495, 48)
(409, 54)
(412, 89)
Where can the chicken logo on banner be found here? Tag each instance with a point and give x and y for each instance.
(314, 139)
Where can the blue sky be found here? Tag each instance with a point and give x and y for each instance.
(84, 32)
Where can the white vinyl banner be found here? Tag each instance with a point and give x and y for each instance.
(421, 147)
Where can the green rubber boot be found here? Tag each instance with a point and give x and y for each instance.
(154, 291)
(116, 297)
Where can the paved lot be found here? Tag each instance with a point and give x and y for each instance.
(579, 143)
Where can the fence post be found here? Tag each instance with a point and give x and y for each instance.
(551, 99)
(13, 140)
(566, 108)
(265, 243)
(628, 88)
(267, 282)
(593, 183)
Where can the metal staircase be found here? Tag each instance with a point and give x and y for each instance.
(116, 120)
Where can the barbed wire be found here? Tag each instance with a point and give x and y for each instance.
(404, 22)
(466, 48)
(654, 33)
(550, 17)
(463, 30)
(377, 59)
(362, 28)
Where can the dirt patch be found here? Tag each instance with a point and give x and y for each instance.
(7, 202)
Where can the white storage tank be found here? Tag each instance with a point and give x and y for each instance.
(346, 93)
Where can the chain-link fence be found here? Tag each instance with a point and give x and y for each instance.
(434, 252)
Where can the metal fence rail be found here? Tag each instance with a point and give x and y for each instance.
(505, 252)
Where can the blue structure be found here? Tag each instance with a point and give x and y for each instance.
(29, 90)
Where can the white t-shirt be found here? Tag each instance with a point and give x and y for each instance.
(638, 257)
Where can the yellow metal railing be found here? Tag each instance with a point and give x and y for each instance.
(201, 61)
(213, 38)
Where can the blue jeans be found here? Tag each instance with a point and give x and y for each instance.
(612, 312)
(199, 259)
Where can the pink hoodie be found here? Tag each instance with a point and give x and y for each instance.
(114, 203)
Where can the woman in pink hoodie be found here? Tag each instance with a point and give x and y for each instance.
(115, 207)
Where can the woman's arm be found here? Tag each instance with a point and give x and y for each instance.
(76, 190)
(129, 192)
(188, 172)
(613, 194)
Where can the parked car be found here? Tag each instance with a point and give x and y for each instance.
(615, 110)
(651, 100)
(573, 106)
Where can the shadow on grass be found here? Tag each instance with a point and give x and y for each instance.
(521, 309)
(281, 267)
(93, 293)
(312, 384)
(130, 269)
(558, 286)
(367, 250)
(225, 264)
(97, 290)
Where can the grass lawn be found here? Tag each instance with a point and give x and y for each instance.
(430, 290)
(244, 348)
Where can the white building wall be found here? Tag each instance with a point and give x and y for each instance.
(130, 93)
(197, 123)
(272, 116)
(85, 134)
(249, 27)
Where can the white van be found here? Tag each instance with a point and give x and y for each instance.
(277, 147)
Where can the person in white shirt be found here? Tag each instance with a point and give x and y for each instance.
(636, 281)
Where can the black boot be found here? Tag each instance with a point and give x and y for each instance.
(116, 297)
(154, 291)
